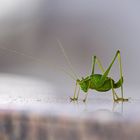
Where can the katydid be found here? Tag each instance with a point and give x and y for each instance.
(98, 82)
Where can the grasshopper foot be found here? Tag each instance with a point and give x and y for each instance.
(121, 100)
(73, 99)
(84, 100)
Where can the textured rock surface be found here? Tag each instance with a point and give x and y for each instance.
(20, 126)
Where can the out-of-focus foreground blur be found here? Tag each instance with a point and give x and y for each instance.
(32, 64)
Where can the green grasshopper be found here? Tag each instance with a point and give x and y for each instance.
(98, 82)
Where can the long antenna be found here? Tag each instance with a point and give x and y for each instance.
(40, 60)
(69, 74)
(20, 53)
(67, 59)
(33, 58)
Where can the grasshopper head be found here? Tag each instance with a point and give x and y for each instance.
(84, 84)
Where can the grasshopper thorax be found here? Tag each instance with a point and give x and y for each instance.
(84, 83)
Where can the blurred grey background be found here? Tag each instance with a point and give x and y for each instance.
(85, 28)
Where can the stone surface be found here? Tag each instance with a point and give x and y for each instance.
(30, 111)
(21, 126)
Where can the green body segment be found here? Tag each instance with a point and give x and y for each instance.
(92, 82)
(95, 79)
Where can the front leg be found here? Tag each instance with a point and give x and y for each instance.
(74, 98)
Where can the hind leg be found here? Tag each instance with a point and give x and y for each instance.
(120, 84)
(95, 60)
(121, 79)
(115, 96)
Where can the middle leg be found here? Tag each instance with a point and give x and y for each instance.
(85, 97)
(86, 94)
